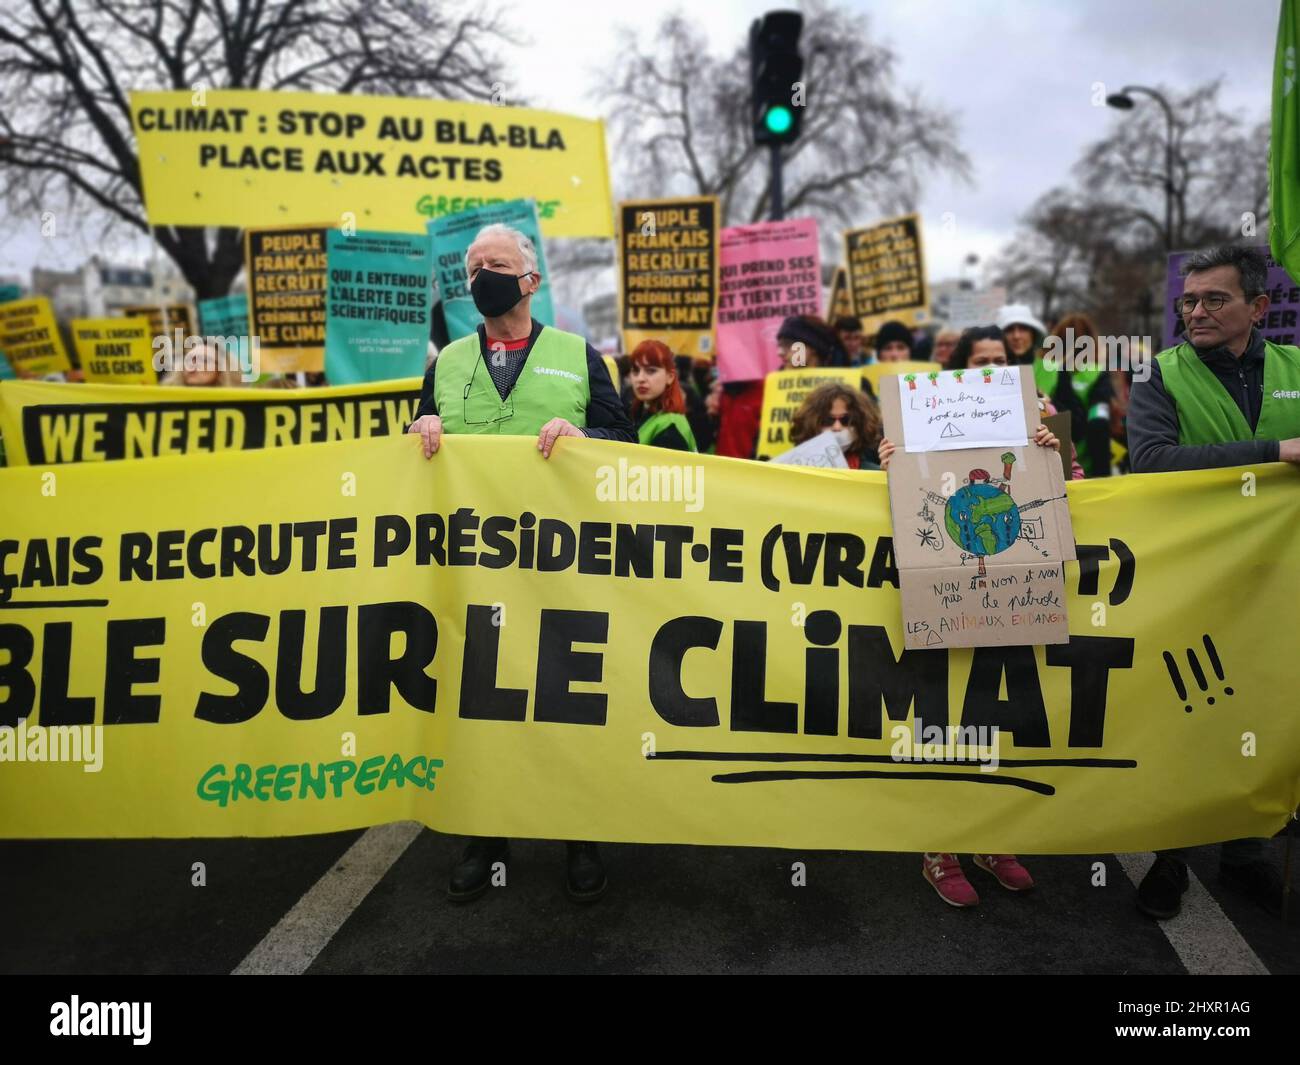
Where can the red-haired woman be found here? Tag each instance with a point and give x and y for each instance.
(658, 405)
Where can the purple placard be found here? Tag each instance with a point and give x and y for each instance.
(1281, 322)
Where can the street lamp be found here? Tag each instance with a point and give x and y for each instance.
(1123, 101)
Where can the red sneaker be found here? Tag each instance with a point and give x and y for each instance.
(1010, 873)
(945, 875)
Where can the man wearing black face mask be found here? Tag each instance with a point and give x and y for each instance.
(517, 377)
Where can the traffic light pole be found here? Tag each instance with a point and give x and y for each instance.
(777, 198)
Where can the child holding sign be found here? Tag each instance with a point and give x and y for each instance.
(978, 347)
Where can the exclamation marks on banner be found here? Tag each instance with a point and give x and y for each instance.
(1198, 671)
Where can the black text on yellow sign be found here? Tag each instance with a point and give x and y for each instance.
(668, 273)
(286, 296)
(886, 272)
(45, 423)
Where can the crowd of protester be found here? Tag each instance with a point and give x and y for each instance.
(676, 402)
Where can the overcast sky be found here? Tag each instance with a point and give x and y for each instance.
(1018, 73)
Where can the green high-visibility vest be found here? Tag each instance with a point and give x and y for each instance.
(1081, 381)
(657, 423)
(552, 384)
(1208, 415)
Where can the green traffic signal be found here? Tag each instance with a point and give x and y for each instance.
(778, 120)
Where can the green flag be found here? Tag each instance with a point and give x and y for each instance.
(1284, 148)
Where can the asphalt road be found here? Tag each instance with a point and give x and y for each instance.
(372, 902)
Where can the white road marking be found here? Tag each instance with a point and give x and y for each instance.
(1207, 943)
(302, 933)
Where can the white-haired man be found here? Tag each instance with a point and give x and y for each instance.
(517, 377)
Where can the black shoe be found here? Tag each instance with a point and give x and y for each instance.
(1259, 880)
(1160, 895)
(587, 881)
(471, 876)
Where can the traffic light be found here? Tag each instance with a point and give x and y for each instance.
(775, 67)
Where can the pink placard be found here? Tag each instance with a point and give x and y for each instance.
(769, 271)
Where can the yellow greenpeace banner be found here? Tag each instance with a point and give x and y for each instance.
(622, 643)
(45, 423)
(256, 158)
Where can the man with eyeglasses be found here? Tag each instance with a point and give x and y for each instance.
(1224, 397)
(517, 377)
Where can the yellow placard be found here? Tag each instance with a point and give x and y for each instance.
(783, 392)
(47, 423)
(886, 273)
(29, 337)
(668, 273)
(286, 271)
(172, 320)
(716, 661)
(254, 158)
(115, 351)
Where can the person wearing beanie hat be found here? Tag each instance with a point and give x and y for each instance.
(1023, 331)
(805, 340)
(894, 343)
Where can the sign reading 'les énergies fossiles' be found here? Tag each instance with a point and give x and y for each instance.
(668, 273)
(377, 306)
(258, 159)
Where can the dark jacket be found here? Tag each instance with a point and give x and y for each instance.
(1094, 432)
(1153, 417)
(606, 418)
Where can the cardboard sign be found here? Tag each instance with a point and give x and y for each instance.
(769, 271)
(947, 410)
(822, 451)
(30, 339)
(783, 392)
(981, 536)
(873, 372)
(668, 273)
(1060, 426)
(115, 351)
(286, 296)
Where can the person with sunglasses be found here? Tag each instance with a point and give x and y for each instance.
(517, 377)
(848, 414)
(1223, 397)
